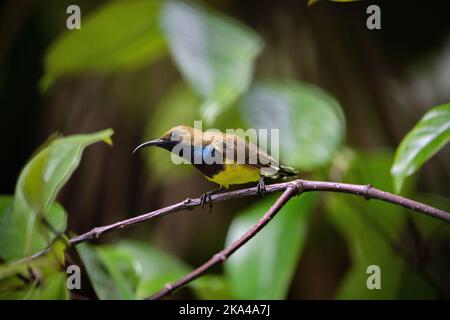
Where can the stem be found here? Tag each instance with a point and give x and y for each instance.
(366, 191)
(221, 256)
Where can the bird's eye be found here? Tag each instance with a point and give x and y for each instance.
(174, 137)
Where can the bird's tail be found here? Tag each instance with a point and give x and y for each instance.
(287, 172)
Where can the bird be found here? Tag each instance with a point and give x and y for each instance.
(223, 158)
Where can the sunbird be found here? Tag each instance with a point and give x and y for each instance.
(225, 159)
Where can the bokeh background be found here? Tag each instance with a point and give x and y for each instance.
(384, 81)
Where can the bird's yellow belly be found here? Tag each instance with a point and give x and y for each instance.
(235, 174)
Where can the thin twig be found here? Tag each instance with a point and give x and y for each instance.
(221, 256)
(366, 191)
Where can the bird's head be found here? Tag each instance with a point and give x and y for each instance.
(177, 135)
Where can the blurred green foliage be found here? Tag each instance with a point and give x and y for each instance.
(310, 121)
(129, 269)
(43, 278)
(214, 53)
(54, 287)
(373, 231)
(23, 231)
(32, 220)
(119, 36)
(135, 270)
(264, 267)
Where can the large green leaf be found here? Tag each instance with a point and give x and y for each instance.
(263, 268)
(102, 281)
(310, 122)
(429, 135)
(22, 232)
(129, 270)
(154, 268)
(179, 106)
(214, 53)
(373, 231)
(15, 227)
(121, 34)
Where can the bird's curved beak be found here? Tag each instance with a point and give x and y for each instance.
(157, 142)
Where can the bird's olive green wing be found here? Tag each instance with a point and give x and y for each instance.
(235, 149)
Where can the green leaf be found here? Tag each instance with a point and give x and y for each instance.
(179, 106)
(212, 287)
(214, 53)
(263, 268)
(51, 287)
(129, 270)
(310, 122)
(50, 282)
(121, 268)
(429, 135)
(120, 35)
(19, 228)
(22, 232)
(154, 267)
(102, 282)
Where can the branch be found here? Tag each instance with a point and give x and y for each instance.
(366, 191)
(220, 257)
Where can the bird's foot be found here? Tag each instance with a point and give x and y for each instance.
(206, 199)
(261, 187)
